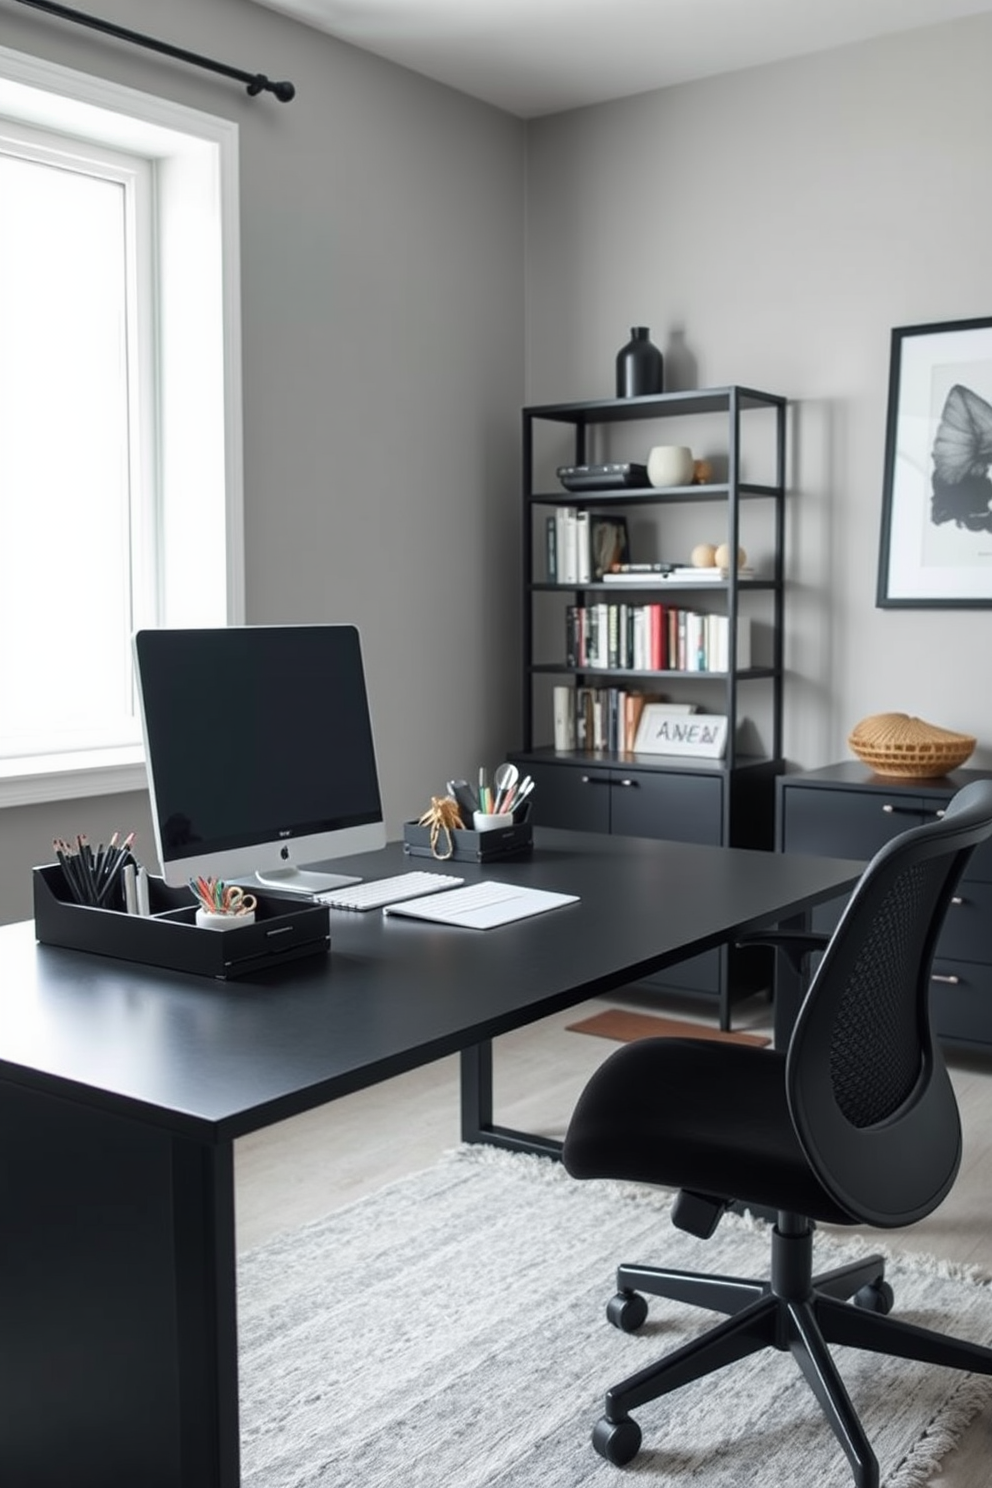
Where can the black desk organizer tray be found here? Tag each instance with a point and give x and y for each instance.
(515, 840)
(283, 930)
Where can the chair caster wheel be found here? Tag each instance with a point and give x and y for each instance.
(627, 1311)
(618, 1441)
(876, 1296)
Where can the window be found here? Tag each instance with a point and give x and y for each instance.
(120, 471)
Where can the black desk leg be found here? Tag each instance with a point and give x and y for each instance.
(118, 1339)
(790, 986)
(477, 1108)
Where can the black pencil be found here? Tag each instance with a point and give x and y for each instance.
(70, 872)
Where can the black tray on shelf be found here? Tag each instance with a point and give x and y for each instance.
(284, 929)
(614, 477)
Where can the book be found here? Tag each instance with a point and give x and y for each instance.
(551, 548)
(571, 559)
(640, 580)
(583, 559)
(633, 706)
(686, 573)
(588, 718)
(564, 719)
(636, 574)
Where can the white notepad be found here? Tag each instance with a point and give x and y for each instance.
(481, 906)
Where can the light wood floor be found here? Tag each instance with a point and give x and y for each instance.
(309, 1165)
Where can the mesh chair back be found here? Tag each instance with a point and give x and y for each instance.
(868, 1091)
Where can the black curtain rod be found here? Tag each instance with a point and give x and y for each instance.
(257, 81)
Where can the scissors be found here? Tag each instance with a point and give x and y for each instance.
(237, 902)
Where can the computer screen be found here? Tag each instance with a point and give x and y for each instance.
(259, 751)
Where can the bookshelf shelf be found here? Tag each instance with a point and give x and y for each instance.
(650, 495)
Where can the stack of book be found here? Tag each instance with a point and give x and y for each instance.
(582, 545)
(652, 637)
(602, 718)
(640, 575)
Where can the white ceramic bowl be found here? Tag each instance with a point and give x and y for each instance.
(670, 465)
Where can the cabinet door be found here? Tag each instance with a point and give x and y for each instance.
(576, 798)
(843, 824)
(683, 808)
(679, 806)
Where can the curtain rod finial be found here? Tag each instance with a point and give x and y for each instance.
(260, 83)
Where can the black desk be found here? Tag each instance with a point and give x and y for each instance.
(122, 1089)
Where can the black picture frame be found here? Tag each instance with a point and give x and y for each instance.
(935, 550)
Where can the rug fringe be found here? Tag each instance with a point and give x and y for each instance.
(927, 1455)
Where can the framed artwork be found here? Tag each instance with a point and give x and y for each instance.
(936, 541)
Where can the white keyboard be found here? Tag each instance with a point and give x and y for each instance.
(379, 892)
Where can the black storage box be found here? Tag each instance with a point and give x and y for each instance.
(284, 929)
(515, 840)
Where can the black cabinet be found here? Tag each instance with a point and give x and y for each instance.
(610, 787)
(846, 811)
(594, 796)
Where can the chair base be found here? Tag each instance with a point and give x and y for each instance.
(792, 1311)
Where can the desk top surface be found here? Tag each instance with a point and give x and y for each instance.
(217, 1059)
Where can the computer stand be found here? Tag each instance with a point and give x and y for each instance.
(304, 880)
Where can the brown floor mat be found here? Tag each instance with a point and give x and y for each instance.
(615, 1023)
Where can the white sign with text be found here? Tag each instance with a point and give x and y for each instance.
(700, 734)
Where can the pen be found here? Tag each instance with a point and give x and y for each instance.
(526, 786)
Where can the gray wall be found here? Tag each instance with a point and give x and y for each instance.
(771, 227)
(382, 280)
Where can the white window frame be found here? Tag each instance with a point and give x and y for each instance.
(195, 160)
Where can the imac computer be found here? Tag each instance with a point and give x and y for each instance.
(259, 752)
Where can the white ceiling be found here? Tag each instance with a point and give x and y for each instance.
(533, 57)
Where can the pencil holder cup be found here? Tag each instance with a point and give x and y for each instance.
(208, 921)
(485, 821)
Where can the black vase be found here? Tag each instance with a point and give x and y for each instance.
(640, 369)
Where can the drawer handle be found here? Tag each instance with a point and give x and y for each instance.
(595, 779)
(891, 810)
(952, 981)
(957, 899)
(629, 783)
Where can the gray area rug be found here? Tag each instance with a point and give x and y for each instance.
(449, 1332)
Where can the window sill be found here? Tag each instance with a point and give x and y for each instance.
(65, 777)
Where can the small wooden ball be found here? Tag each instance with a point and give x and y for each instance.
(703, 555)
(722, 556)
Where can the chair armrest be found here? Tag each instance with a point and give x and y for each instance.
(794, 945)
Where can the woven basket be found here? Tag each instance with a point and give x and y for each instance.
(895, 744)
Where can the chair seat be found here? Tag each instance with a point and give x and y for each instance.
(656, 1112)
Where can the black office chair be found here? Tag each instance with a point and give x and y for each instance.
(856, 1123)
